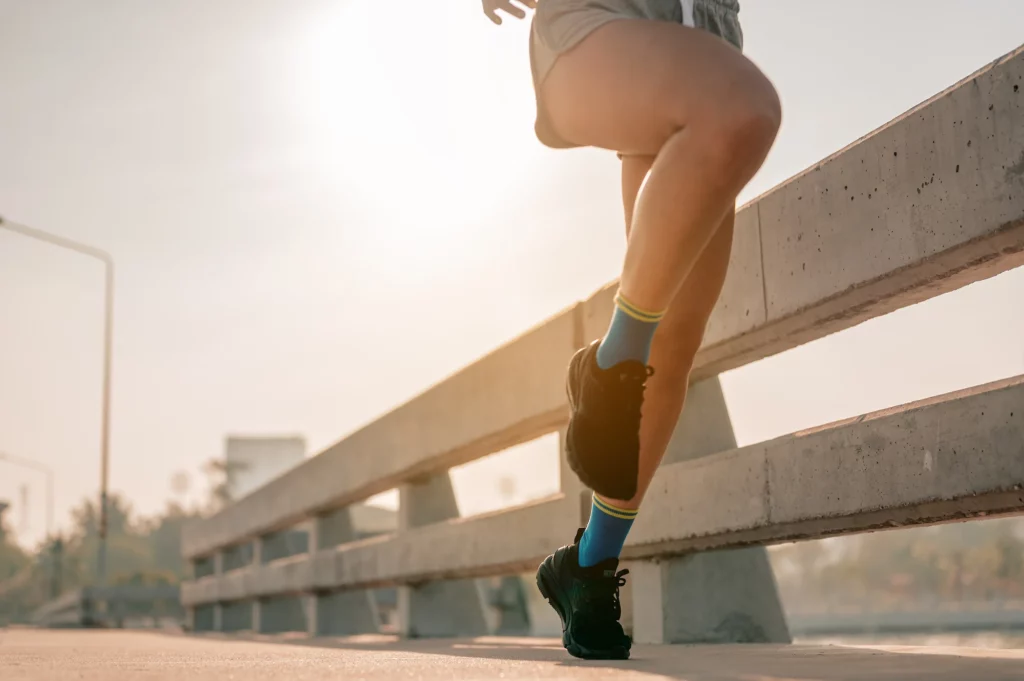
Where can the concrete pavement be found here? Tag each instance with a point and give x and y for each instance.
(40, 655)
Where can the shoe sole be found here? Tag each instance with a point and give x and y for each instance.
(571, 379)
(553, 594)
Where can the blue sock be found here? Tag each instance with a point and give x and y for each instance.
(606, 532)
(629, 335)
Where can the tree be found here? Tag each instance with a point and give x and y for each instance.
(15, 574)
(977, 561)
(221, 473)
(139, 550)
(13, 558)
(164, 540)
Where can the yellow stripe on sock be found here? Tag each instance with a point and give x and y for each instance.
(635, 312)
(608, 509)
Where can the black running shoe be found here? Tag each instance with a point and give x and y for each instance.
(602, 442)
(587, 601)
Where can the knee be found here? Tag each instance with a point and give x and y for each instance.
(739, 138)
(735, 132)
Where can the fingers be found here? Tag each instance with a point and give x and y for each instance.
(514, 10)
(491, 8)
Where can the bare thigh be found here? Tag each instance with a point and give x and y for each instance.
(633, 83)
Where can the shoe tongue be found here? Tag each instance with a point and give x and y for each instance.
(606, 568)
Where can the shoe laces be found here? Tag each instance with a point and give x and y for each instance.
(601, 596)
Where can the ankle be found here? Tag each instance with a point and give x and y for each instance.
(629, 335)
(606, 532)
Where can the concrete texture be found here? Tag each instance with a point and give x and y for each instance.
(945, 458)
(338, 613)
(712, 597)
(436, 608)
(421, 437)
(120, 656)
(345, 613)
(938, 177)
(721, 596)
(498, 543)
(511, 600)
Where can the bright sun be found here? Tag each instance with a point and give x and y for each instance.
(424, 120)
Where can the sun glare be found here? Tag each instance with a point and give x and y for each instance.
(422, 120)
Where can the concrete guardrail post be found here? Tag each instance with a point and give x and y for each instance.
(337, 613)
(257, 606)
(218, 608)
(725, 596)
(439, 608)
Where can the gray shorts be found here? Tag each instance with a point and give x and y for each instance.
(559, 25)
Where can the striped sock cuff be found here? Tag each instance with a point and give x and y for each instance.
(614, 511)
(635, 312)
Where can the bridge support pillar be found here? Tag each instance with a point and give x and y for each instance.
(440, 608)
(218, 608)
(257, 616)
(511, 602)
(727, 596)
(257, 607)
(339, 613)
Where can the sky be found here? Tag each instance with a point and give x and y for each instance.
(319, 208)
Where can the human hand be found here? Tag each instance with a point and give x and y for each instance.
(510, 7)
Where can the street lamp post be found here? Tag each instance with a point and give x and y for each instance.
(35, 465)
(108, 332)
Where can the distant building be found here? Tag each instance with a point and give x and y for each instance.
(254, 461)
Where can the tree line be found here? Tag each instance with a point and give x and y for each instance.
(967, 563)
(140, 549)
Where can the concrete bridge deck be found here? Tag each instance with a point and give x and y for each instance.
(39, 655)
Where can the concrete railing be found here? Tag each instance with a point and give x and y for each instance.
(72, 609)
(110, 606)
(928, 203)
